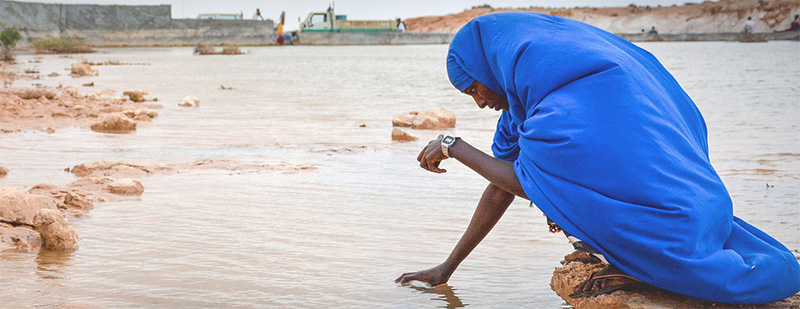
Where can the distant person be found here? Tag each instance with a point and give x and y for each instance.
(287, 38)
(795, 26)
(749, 26)
(257, 14)
(401, 27)
(653, 30)
(604, 141)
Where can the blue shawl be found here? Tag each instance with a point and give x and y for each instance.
(606, 143)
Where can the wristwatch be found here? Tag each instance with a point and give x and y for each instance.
(447, 142)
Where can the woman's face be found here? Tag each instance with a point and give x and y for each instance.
(484, 97)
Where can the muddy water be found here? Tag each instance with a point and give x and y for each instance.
(338, 235)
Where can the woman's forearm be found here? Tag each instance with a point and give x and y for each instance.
(498, 172)
(491, 207)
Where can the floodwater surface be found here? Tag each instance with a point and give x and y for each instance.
(338, 235)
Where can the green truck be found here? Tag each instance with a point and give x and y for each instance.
(328, 21)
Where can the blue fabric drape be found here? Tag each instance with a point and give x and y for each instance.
(608, 145)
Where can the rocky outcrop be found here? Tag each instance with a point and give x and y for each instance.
(571, 274)
(189, 101)
(82, 69)
(18, 207)
(402, 136)
(114, 123)
(55, 232)
(436, 118)
(126, 187)
(3, 172)
(135, 95)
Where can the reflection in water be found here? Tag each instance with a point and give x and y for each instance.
(445, 293)
(51, 264)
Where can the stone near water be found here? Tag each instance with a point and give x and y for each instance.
(126, 187)
(74, 199)
(20, 238)
(114, 123)
(83, 69)
(137, 96)
(436, 118)
(189, 101)
(18, 207)
(404, 120)
(3, 172)
(402, 136)
(55, 232)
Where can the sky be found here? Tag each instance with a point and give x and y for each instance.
(354, 9)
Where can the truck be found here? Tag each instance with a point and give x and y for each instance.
(328, 21)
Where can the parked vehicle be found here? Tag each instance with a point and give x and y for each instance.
(328, 21)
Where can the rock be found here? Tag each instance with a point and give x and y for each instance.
(141, 113)
(19, 238)
(54, 74)
(89, 84)
(137, 96)
(404, 120)
(126, 187)
(50, 130)
(571, 274)
(75, 199)
(36, 93)
(115, 123)
(71, 91)
(130, 168)
(55, 232)
(18, 207)
(402, 136)
(436, 118)
(44, 189)
(189, 101)
(83, 69)
(3, 172)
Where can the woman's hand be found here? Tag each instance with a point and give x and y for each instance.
(430, 156)
(433, 276)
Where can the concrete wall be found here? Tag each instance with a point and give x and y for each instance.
(123, 25)
(380, 38)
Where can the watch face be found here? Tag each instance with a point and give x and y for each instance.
(448, 139)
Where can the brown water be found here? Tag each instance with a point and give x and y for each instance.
(337, 236)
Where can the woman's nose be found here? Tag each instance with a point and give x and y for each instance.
(481, 103)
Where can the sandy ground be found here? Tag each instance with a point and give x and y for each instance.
(706, 17)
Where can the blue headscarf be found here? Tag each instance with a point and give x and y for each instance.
(608, 145)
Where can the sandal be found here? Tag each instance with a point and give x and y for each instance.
(610, 272)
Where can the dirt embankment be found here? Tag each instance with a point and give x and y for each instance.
(706, 17)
